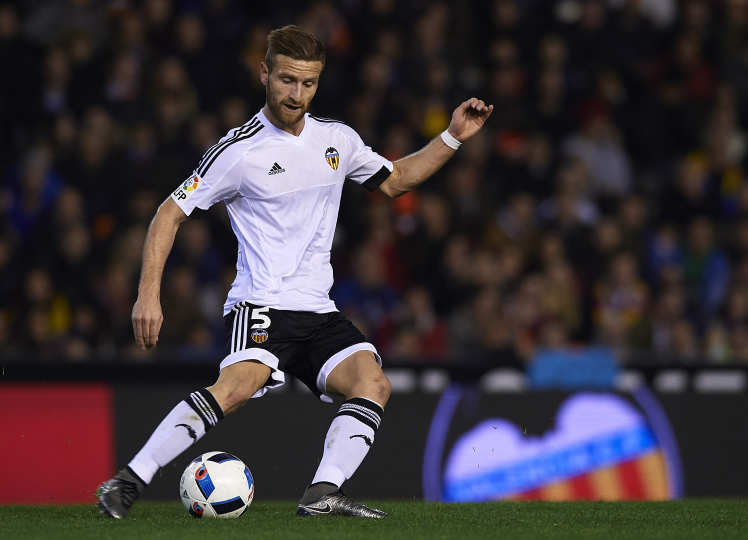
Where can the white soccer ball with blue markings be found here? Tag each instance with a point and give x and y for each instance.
(216, 485)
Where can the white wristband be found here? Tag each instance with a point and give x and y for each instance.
(450, 141)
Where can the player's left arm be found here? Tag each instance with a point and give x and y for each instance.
(411, 171)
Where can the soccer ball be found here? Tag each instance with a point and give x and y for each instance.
(216, 485)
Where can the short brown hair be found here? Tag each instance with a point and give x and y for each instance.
(294, 42)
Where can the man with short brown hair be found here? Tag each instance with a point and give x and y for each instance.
(281, 176)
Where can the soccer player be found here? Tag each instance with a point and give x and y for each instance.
(281, 176)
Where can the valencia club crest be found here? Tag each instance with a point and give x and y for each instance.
(333, 158)
(259, 336)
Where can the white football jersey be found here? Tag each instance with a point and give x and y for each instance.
(282, 193)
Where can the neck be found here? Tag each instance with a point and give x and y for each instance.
(294, 130)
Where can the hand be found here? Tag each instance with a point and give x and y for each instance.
(146, 322)
(468, 118)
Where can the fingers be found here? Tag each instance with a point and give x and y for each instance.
(478, 106)
(146, 332)
(146, 325)
(137, 329)
(153, 330)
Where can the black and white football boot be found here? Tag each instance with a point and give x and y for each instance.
(117, 495)
(335, 504)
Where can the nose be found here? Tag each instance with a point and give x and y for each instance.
(296, 93)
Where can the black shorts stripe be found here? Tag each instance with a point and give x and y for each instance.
(216, 147)
(242, 344)
(232, 335)
(238, 330)
(376, 180)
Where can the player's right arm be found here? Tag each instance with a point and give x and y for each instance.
(146, 314)
(217, 178)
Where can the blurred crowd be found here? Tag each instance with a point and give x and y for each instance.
(605, 202)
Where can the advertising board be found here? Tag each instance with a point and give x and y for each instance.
(600, 446)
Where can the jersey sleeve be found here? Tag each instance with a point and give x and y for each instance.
(217, 178)
(366, 167)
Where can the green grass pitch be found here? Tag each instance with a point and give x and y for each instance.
(409, 520)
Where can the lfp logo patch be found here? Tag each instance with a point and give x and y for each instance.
(333, 158)
(185, 191)
(191, 183)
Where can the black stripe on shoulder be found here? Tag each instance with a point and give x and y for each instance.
(237, 132)
(376, 180)
(219, 145)
(225, 146)
(213, 149)
(325, 120)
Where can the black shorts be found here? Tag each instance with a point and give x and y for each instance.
(303, 344)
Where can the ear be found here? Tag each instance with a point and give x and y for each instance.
(264, 73)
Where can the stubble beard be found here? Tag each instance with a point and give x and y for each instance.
(276, 107)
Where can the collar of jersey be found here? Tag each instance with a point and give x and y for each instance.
(284, 134)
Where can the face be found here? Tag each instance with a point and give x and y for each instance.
(290, 88)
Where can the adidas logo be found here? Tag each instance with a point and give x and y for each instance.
(276, 169)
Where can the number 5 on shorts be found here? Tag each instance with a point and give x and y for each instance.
(259, 313)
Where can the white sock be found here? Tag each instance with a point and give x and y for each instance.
(182, 427)
(348, 440)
